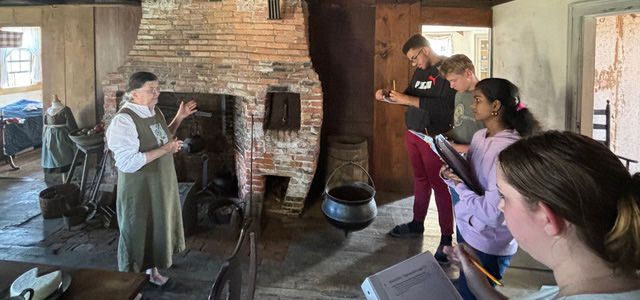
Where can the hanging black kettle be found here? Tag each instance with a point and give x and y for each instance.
(194, 143)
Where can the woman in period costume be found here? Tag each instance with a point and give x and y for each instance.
(57, 147)
(148, 203)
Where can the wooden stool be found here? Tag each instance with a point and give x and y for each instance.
(86, 150)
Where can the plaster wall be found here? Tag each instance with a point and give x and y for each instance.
(530, 49)
(616, 72)
(67, 54)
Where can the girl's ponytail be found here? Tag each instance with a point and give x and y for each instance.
(623, 241)
(515, 114)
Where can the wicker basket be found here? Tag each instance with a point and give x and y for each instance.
(55, 200)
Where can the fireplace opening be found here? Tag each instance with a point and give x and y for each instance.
(275, 191)
(214, 158)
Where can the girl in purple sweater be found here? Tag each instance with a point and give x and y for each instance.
(496, 102)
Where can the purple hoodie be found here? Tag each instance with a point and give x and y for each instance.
(479, 220)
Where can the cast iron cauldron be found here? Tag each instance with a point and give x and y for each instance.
(349, 205)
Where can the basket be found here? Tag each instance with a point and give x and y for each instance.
(86, 140)
(55, 200)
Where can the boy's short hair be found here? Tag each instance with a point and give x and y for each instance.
(456, 64)
(414, 42)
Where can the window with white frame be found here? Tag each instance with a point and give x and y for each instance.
(21, 66)
(19, 62)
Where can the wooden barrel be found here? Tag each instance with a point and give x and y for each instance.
(343, 149)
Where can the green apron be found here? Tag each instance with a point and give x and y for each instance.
(148, 203)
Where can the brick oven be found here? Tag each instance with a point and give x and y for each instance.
(231, 50)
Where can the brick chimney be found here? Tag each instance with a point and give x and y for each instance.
(230, 47)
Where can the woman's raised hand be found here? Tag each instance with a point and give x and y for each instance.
(186, 109)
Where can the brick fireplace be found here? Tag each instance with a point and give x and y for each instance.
(230, 47)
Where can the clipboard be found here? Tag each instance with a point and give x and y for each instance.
(457, 163)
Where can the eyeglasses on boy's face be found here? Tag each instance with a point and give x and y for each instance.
(414, 59)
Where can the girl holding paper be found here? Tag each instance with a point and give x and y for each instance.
(572, 205)
(496, 102)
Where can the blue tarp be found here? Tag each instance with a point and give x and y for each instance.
(18, 137)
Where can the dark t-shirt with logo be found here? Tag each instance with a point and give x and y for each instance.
(437, 102)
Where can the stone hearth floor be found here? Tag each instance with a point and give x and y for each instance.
(299, 258)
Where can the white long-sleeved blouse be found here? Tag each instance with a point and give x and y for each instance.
(122, 138)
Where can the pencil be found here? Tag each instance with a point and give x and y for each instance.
(394, 85)
(477, 264)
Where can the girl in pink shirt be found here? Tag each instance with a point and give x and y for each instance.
(496, 102)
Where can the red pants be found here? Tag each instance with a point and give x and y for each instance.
(426, 176)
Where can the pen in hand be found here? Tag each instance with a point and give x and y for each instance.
(394, 85)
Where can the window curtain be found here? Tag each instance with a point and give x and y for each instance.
(31, 41)
(4, 73)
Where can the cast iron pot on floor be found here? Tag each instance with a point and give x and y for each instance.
(349, 205)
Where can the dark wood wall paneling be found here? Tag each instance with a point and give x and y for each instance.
(347, 39)
(464, 16)
(341, 37)
(390, 163)
(116, 29)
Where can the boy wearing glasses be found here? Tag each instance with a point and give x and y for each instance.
(431, 104)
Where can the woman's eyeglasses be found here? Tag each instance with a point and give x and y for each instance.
(151, 90)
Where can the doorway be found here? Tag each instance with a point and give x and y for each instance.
(603, 62)
(21, 101)
(474, 42)
(617, 59)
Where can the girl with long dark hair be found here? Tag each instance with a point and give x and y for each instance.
(497, 103)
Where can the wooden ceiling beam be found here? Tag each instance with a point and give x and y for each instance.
(462, 3)
(69, 2)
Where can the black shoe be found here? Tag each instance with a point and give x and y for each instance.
(167, 286)
(440, 256)
(405, 231)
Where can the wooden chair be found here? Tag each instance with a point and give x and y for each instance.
(607, 128)
(228, 283)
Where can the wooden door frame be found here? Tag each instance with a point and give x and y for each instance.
(581, 59)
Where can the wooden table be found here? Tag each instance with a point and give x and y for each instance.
(85, 283)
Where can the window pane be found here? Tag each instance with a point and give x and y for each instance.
(25, 66)
(12, 80)
(26, 55)
(22, 79)
(15, 55)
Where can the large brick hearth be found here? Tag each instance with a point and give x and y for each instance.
(230, 47)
